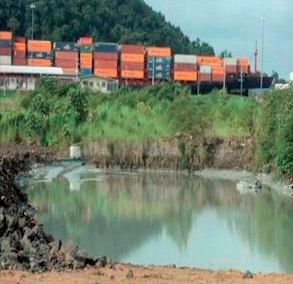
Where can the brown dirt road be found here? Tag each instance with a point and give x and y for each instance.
(141, 275)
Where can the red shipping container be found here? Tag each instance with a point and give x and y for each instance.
(205, 77)
(218, 78)
(106, 56)
(107, 64)
(132, 74)
(106, 73)
(132, 66)
(86, 40)
(5, 51)
(245, 69)
(231, 69)
(132, 49)
(65, 63)
(69, 71)
(19, 54)
(20, 39)
(66, 55)
(19, 61)
(185, 67)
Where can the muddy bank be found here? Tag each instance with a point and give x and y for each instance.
(175, 154)
(23, 243)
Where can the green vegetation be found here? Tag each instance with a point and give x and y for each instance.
(123, 21)
(59, 115)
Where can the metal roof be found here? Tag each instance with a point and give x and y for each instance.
(11, 69)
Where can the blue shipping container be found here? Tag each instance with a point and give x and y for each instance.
(159, 66)
(161, 60)
(86, 72)
(159, 75)
(66, 46)
(5, 43)
(40, 55)
(105, 47)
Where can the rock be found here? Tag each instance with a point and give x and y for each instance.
(245, 187)
(129, 273)
(101, 262)
(248, 275)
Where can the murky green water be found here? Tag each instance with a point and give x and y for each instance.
(160, 218)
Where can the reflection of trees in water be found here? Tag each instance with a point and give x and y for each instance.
(118, 214)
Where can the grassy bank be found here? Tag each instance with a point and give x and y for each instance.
(58, 115)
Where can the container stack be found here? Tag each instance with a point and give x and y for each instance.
(185, 68)
(106, 60)
(66, 57)
(132, 62)
(218, 74)
(86, 55)
(19, 51)
(39, 53)
(230, 65)
(159, 63)
(243, 64)
(5, 48)
(206, 66)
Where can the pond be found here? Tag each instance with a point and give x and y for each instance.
(165, 218)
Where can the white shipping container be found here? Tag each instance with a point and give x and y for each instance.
(185, 58)
(5, 60)
(205, 69)
(291, 77)
(230, 61)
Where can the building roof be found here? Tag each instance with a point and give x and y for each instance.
(11, 69)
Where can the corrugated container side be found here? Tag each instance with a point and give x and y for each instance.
(231, 69)
(5, 51)
(19, 61)
(69, 71)
(209, 60)
(165, 75)
(86, 40)
(218, 70)
(185, 67)
(185, 58)
(230, 61)
(5, 60)
(5, 43)
(19, 54)
(157, 60)
(132, 65)
(126, 57)
(39, 46)
(243, 61)
(245, 69)
(205, 69)
(106, 73)
(107, 64)
(132, 74)
(218, 78)
(19, 46)
(106, 56)
(204, 77)
(20, 39)
(86, 49)
(159, 67)
(6, 35)
(40, 55)
(65, 63)
(86, 71)
(106, 47)
(39, 62)
(68, 55)
(159, 51)
(66, 46)
(132, 49)
(185, 76)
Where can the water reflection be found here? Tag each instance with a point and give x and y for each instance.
(168, 218)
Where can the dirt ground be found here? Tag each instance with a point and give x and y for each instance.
(122, 273)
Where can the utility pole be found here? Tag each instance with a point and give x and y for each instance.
(198, 81)
(262, 51)
(224, 84)
(255, 58)
(153, 74)
(33, 7)
(241, 81)
(4, 84)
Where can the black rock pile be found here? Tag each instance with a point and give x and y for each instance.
(23, 243)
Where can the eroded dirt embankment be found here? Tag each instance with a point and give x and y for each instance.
(175, 154)
(23, 243)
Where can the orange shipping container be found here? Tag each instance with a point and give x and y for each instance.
(86, 64)
(243, 61)
(70, 71)
(67, 55)
(86, 56)
(218, 70)
(19, 46)
(39, 62)
(159, 51)
(132, 74)
(127, 57)
(5, 35)
(39, 46)
(106, 73)
(185, 76)
(84, 41)
(209, 60)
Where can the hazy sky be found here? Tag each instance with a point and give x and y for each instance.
(236, 25)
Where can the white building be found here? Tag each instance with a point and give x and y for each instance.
(104, 85)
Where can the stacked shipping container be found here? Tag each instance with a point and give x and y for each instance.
(132, 62)
(106, 60)
(243, 66)
(208, 65)
(159, 63)
(230, 65)
(5, 48)
(185, 68)
(39, 53)
(66, 57)
(19, 51)
(86, 55)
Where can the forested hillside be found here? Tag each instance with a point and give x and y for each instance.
(124, 21)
